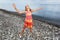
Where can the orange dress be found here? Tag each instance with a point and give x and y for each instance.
(28, 20)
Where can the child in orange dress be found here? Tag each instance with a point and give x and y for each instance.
(28, 20)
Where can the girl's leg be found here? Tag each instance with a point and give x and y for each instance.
(31, 30)
(25, 24)
(21, 33)
(30, 26)
(23, 29)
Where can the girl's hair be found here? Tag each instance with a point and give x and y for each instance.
(26, 9)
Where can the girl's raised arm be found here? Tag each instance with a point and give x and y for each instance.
(20, 12)
(37, 9)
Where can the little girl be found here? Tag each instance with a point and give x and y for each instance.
(28, 20)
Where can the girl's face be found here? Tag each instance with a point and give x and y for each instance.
(27, 7)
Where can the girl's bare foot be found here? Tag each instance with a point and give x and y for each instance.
(20, 34)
